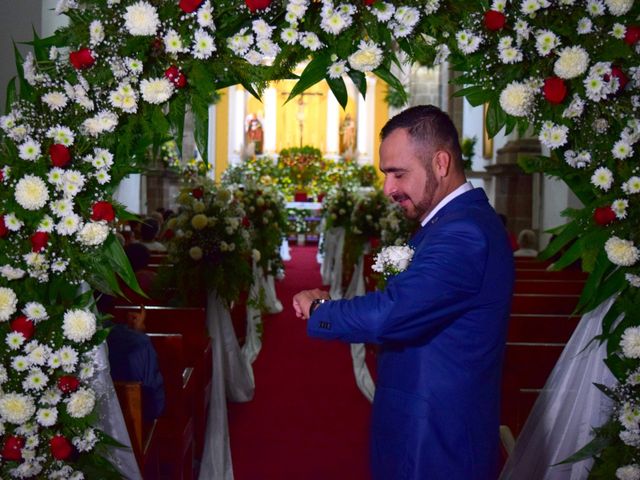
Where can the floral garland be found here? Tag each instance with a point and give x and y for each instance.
(93, 99)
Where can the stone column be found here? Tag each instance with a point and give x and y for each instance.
(514, 189)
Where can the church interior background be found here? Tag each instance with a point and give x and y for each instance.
(241, 125)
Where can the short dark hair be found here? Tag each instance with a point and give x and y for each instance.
(149, 229)
(431, 129)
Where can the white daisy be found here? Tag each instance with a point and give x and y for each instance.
(205, 15)
(68, 225)
(35, 311)
(20, 363)
(59, 265)
(14, 340)
(173, 42)
(467, 41)
(102, 176)
(125, 98)
(104, 121)
(337, 69)
(529, 7)
(575, 108)
(61, 208)
(203, 45)
(585, 25)
(619, 7)
(602, 178)
(12, 222)
(618, 31)
(632, 185)
(29, 150)
(68, 356)
(289, 36)
(47, 417)
(61, 135)
(36, 380)
(621, 150)
(134, 65)
(553, 136)
(595, 8)
(262, 29)
(619, 207)
(96, 32)
(311, 41)
(383, 11)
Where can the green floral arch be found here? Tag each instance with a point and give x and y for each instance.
(92, 99)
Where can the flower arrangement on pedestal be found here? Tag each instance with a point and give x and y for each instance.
(211, 249)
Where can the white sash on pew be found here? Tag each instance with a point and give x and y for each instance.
(567, 409)
(333, 242)
(233, 380)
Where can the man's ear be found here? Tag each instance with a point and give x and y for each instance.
(442, 163)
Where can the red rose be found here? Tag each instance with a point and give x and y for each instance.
(246, 223)
(189, 6)
(39, 240)
(168, 234)
(3, 227)
(82, 58)
(555, 90)
(24, 326)
(68, 383)
(494, 20)
(12, 449)
(622, 78)
(102, 211)
(1, 174)
(60, 155)
(257, 4)
(175, 76)
(197, 192)
(632, 35)
(61, 448)
(369, 2)
(604, 215)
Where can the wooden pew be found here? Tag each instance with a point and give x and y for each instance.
(176, 425)
(143, 435)
(190, 322)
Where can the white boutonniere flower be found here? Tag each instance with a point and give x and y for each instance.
(393, 260)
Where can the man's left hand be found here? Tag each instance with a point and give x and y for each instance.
(302, 301)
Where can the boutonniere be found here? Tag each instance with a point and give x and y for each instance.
(393, 260)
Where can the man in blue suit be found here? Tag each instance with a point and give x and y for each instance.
(441, 323)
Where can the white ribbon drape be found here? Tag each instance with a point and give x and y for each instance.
(567, 409)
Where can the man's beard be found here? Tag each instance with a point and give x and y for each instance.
(425, 204)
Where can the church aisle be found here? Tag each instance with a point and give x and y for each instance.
(308, 419)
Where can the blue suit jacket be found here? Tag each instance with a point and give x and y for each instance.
(442, 325)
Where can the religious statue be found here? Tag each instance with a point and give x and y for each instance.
(254, 135)
(348, 136)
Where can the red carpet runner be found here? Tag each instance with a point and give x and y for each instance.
(308, 420)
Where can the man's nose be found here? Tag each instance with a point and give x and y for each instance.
(388, 187)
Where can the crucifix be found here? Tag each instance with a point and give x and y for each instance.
(300, 114)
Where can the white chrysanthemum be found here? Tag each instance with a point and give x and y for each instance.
(36, 380)
(618, 31)
(367, 58)
(621, 150)
(35, 311)
(47, 417)
(510, 55)
(289, 36)
(205, 15)
(56, 101)
(262, 29)
(61, 208)
(39, 355)
(253, 57)
(104, 121)
(61, 135)
(16, 408)
(173, 42)
(51, 396)
(553, 136)
(517, 99)
(11, 273)
(467, 41)
(619, 207)
(571, 62)
(59, 266)
(29, 150)
(141, 18)
(268, 48)
(407, 16)
(296, 9)
(595, 88)
(634, 281)
(602, 178)
(632, 185)
(87, 441)
(621, 252)
(630, 342)
(14, 340)
(96, 32)
(134, 65)
(585, 25)
(383, 11)
(619, 7)
(311, 41)
(203, 45)
(393, 260)
(68, 225)
(20, 363)
(595, 8)
(31, 192)
(125, 98)
(12, 222)
(93, 233)
(334, 23)
(86, 371)
(156, 90)
(79, 325)
(103, 158)
(431, 6)
(337, 69)
(81, 403)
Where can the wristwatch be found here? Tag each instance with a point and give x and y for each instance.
(316, 303)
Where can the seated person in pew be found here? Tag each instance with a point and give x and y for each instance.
(149, 230)
(528, 244)
(133, 359)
